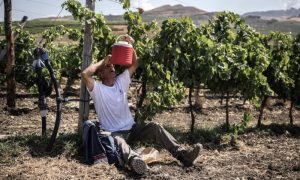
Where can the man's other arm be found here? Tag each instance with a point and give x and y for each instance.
(132, 68)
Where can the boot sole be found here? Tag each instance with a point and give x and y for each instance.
(139, 166)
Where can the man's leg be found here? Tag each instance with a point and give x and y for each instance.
(131, 159)
(126, 151)
(156, 133)
(153, 132)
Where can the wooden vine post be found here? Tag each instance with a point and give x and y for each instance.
(87, 59)
(10, 66)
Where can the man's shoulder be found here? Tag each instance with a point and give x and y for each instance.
(122, 76)
(97, 85)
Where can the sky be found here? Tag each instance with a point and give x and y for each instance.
(52, 8)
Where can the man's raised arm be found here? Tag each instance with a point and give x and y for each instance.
(92, 69)
(132, 68)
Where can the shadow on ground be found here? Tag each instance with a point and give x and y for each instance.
(69, 145)
(215, 135)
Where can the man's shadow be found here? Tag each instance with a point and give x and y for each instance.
(68, 144)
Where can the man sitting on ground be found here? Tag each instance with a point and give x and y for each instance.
(111, 105)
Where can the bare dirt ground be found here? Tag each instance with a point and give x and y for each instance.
(272, 152)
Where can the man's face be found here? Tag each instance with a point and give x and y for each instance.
(108, 72)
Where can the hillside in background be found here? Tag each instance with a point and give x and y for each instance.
(276, 14)
(278, 20)
(167, 11)
(174, 11)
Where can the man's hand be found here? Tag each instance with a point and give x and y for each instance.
(107, 59)
(128, 38)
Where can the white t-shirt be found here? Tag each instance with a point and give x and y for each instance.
(111, 104)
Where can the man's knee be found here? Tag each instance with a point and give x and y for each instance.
(155, 125)
(119, 140)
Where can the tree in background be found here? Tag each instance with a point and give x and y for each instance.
(159, 89)
(238, 59)
(279, 45)
(294, 73)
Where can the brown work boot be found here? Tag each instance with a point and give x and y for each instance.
(188, 157)
(138, 165)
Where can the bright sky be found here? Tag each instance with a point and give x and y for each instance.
(45, 8)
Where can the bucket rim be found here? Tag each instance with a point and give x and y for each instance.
(122, 43)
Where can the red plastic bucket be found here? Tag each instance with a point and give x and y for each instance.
(121, 53)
